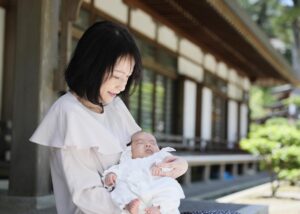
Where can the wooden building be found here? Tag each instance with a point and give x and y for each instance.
(200, 59)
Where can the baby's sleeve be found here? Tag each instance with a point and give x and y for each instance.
(114, 169)
(165, 152)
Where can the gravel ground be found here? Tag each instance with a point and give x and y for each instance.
(287, 200)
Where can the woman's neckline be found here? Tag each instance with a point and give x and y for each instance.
(86, 104)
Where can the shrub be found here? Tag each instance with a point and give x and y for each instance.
(278, 144)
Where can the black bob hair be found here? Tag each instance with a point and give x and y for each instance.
(97, 52)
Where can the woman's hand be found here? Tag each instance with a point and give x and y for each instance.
(110, 179)
(177, 165)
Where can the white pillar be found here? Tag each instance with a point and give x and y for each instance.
(206, 115)
(232, 122)
(189, 109)
(244, 120)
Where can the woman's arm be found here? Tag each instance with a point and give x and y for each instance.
(178, 165)
(84, 182)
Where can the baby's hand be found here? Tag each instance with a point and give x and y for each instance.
(171, 166)
(155, 170)
(152, 210)
(158, 171)
(110, 179)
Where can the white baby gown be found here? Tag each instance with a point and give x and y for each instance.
(134, 180)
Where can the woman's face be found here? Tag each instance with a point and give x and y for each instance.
(116, 82)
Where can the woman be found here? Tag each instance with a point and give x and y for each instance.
(89, 126)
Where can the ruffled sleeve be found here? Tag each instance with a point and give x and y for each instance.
(67, 124)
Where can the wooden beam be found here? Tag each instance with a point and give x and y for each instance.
(69, 13)
(73, 7)
(3, 3)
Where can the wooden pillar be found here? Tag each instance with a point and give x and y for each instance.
(245, 168)
(207, 173)
(187, 178)
(69, 13)
(35, 60)
(9, 60)
(234, 170)
(222, 171)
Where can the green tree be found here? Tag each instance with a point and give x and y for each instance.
(279, 19)
(259, 98)
(277, 143)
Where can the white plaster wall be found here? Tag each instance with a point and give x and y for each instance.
(232, 76)
(190, 69)
(231, 90)
(232, 122)
(239, 93)
(240, 82)
(244, 120)
(167, 37)
(190, 50)
(235, 92)
(206, 113)
(189, 108)
(246, 84)
(2, 29)
(222, 70)
(210, 63)
(115, 8)
(143, 23)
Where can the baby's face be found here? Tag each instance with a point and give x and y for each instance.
(143, 145)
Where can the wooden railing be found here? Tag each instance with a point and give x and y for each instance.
(182, 143)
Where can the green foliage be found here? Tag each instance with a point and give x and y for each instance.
(259, 146)
(262, 12)
(277, 121)
(287, 163)
(260, 97)
(285, 135)
(292, 100)
(278, 144)
(276, 18)
(292, 175)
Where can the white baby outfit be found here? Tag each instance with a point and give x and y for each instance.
(134, 180)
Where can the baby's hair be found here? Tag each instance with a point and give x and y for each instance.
(138, 132)
(129, 144)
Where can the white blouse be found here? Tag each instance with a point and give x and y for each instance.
(83, 144)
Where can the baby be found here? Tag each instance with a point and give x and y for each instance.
(136, 190)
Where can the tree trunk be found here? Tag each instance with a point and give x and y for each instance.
(296, 46)
(275, 183)
(262, 15)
